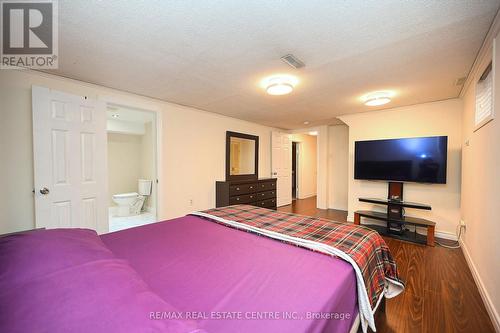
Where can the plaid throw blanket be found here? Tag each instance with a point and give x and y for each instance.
(376, 271)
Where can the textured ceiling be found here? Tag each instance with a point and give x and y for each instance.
(212, 54)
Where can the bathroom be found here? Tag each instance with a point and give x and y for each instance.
(132, 167)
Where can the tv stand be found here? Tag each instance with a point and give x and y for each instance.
(395, 218)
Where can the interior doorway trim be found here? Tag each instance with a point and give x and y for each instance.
(296, 147)
(125, 102)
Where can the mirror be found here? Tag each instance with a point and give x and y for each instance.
(242, 151)
(242, 156)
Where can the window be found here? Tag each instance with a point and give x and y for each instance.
(484, 98)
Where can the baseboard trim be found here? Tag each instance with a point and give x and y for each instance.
(441, 234)
(337, 208)
(446, 235)
(492, 312)
(307, 196)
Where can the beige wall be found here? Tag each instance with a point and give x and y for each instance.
(323, 172)
(338, 166)
(481, 190)
(429, 119)
(192, 147)
(124, 163)
(307, 166)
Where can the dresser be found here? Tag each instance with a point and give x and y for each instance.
(257, 192)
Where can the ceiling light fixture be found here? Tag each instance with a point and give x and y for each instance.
(378, 98)
(115, 115)
(279, 84)
(313, 133)
(306, 122)
(281, 88)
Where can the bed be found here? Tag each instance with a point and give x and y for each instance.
(189, 274)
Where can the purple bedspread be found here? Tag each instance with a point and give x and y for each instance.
(229, 280)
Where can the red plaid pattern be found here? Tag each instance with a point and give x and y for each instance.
(363, 245)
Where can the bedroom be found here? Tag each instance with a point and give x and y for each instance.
(428, 58)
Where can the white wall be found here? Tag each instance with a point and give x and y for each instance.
(429, 119)
(481, 187)
(121, 126)
(124, 163)
(338, 166)
(307, 166)
(192, 147)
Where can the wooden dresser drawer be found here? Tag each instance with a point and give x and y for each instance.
(265, 195)
(243, 199)
(269, 203)
(266, 186)
(258, 192)
(242, 189)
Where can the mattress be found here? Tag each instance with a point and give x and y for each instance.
(229, 280)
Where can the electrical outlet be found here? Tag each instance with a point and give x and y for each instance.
(191, 202)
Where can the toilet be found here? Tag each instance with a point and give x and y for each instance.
(131, 203)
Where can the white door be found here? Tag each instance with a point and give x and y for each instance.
(281, 166)
(70, 147)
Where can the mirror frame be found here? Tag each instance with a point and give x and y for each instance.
(253, 176)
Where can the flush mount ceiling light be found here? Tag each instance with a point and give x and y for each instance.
(279, 84)
(376, 101)
(115, 115)
(378, 98)
(313, 133)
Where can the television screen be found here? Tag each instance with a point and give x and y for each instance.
(420, 160)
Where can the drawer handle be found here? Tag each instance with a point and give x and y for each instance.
(237, 189)
(251, 187)
(263, 194)
(237, 199)
(263, 185)
(251, 197)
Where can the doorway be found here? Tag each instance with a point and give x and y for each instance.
(132, 167)
(304, 165)
(295, 147)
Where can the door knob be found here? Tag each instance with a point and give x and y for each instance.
(275, 173)
(44, 191)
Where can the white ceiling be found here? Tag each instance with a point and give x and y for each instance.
(212, 54)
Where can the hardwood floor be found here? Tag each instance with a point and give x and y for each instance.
(440, 294)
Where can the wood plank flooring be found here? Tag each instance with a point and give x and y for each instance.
(440, 294)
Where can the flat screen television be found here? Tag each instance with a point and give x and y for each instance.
(421, 160)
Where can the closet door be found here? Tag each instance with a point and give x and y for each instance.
(281, 166)
(70, 161)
